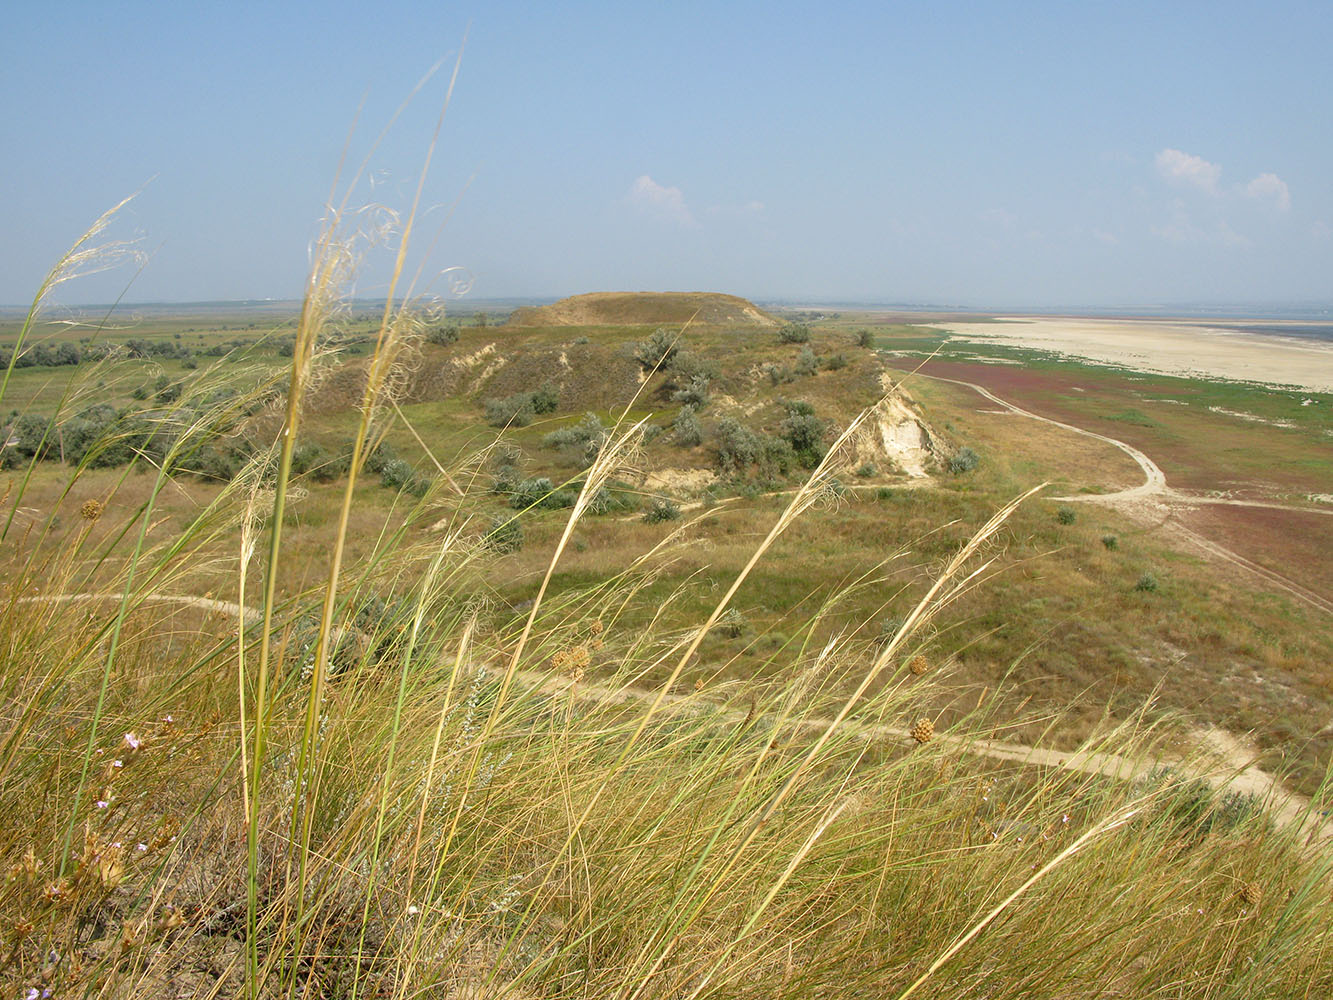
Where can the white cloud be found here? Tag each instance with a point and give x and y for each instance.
(664, 203)
(1183, 168)
(1270, 186)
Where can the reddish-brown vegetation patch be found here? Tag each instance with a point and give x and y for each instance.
(1294, 544)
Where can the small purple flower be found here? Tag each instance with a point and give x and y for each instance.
(102, 803)
(132, 741)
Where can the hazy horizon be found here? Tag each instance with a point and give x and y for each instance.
(1048, 156)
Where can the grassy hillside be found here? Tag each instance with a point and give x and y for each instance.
(337, 675)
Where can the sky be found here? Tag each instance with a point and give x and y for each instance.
(977, 154)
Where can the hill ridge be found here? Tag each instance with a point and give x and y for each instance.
(637, 308)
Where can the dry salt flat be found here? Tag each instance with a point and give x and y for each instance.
(1167, 347)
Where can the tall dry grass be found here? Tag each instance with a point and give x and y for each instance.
(379, 787)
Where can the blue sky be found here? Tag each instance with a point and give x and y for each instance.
(987, 154)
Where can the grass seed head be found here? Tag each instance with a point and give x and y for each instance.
(924, 731)
(918, 665)
(1252, 893)
(91, 510)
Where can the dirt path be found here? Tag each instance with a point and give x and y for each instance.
(1233, 766)
(1153, 485)
(1153, 499)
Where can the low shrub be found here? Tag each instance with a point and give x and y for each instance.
(794, 333)
(661, 509)
(512, 411)
(519, 409)
(695, 394)
(584, 439)
(657, 351)
(505, 535)
(964, 460)
(806, 363)
(396, 474)
(687, 430)
(834, 362)
(540, 492)
(805, 433)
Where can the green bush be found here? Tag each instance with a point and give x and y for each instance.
(512, 411)
(89, 431)
(806, 363)
(686, 430)
(540, 492)
(377, 458)
(504, 535)
(584, 438)
(794, 333)
(685, 366)
(546, 399)
(31, 436)
(322, 465)
(864, 338)
(442, 335)
(737, 445)
(1065, 514)
(867, 470)
(519, 409)
(397, 474)
(657, 351)
(612, 499)
(530, 492)
(695, 394)
(661, 509)
(1147, 584)
(835, 362)
(1111, 542)
(964, 460)
(805, 433)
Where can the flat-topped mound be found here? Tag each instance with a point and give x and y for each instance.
(641, 308)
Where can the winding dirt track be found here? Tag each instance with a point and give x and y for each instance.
(1155, 496)
(1233, 770)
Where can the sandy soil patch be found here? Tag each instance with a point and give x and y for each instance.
(1169, 347)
